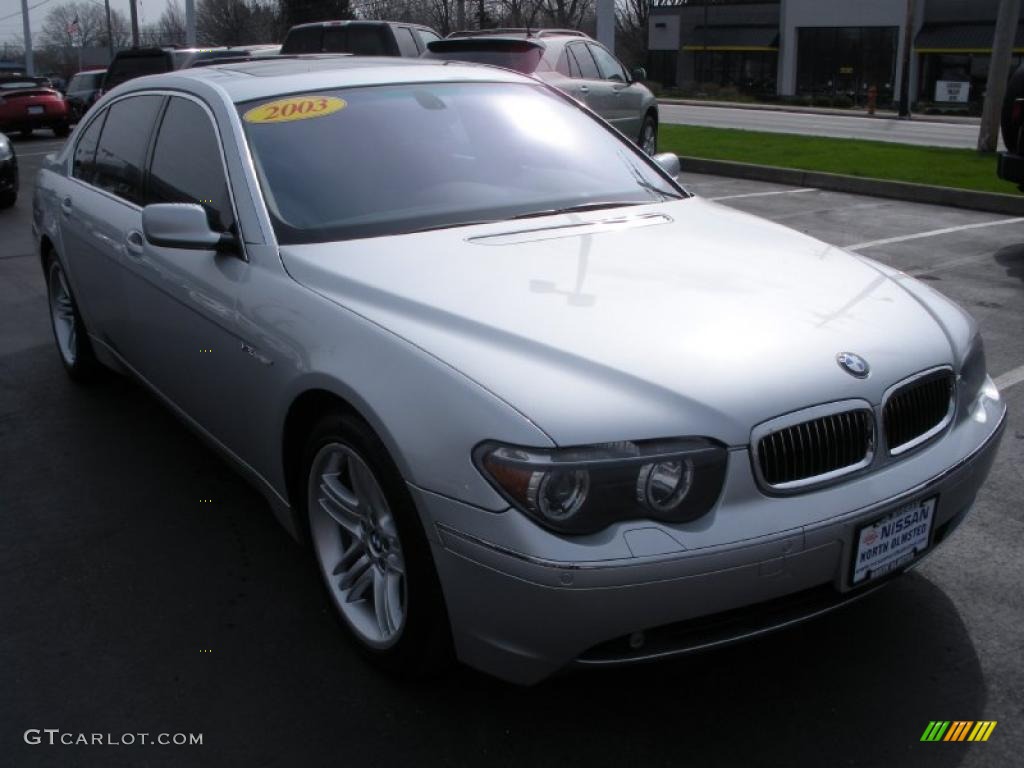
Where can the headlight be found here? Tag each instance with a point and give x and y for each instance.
(585, 489)
(6, 152)
(972, 373)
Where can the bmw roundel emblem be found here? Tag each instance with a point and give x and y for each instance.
(855, 365)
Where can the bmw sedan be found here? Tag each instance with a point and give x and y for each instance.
(529, 402)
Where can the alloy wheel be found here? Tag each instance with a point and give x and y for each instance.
(357, 545)
(62, 314)
(649, 138)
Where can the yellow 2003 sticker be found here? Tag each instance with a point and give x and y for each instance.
(294, 108)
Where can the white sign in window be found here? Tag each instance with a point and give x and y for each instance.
(952, 90)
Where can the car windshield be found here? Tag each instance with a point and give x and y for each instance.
(373, 161)
(520, 56)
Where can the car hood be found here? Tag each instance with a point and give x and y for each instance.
(684, 318)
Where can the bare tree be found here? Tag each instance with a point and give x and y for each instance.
(631, 21)
(59, 39)
(170, 28)
(57, 31)
(236, 22)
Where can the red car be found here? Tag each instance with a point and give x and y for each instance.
(27, 103)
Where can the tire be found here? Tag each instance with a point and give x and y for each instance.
(648, 138)
(62, 131)
(8, 199)
(1014, 90)
(370, 548)
(25, 133)
(69, 332)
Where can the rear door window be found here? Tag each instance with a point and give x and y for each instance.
(121, 153)
(83, 165)
(303, 40)
(367, 40)
(127, 68)
(335, 39)
(588, 69)
(187, 132)
(406, 42)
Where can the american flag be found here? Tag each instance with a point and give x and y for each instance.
(73, 27)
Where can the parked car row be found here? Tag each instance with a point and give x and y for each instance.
(567, 59)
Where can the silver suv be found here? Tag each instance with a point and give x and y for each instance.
(570, 61)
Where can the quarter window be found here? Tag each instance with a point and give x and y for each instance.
(187, 165)
(121, 154)
(84, 164)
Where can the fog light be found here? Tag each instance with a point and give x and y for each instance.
(664, 485)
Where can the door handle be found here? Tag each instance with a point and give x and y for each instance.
(584, 89)
(65, 206)
(135, 243)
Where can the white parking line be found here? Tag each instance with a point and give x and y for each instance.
(932, 233)
(36, 154)
(765, 194)
(1008, 379)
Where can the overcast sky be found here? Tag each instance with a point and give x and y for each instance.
(10, 27)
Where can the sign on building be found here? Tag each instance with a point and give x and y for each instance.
(952, 90)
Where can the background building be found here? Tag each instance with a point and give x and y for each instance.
(826, 48)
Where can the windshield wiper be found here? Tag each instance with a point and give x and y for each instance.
(580, 208)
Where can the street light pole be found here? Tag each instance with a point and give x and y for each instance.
(908, 42)
(132, 5)
(998, 74)
(110, 32)
(30, 68)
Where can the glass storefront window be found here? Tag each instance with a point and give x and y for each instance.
(750, 71)
(846, 61)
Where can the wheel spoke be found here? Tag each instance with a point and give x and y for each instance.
(353, 574)
(362, 584)
(338, 502)
(349, 557)
(393, 591)
(395, 562)
(380, 604)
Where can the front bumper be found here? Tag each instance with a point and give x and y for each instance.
(522, 616)
(1010, 167)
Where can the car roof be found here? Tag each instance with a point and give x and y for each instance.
(259, 78)
(361, 22)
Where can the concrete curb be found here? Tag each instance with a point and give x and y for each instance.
(994, 202)
(830, 111)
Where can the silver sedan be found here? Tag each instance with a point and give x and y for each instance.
(528, 400)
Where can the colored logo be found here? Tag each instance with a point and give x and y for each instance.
(959, 730)
(855, 365)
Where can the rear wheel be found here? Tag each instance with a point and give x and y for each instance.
(648, 139)
(62, 131)
(25, 133)
(7, 199)
(370, 547)
(68, 330)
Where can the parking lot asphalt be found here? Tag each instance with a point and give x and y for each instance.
(128, 605)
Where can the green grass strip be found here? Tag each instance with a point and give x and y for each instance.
(959, 168)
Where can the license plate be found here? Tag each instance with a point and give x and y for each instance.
(36, 110)
(892, 541)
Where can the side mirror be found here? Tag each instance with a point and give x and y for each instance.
(669, 162)
(183, 225)
(639, 74)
